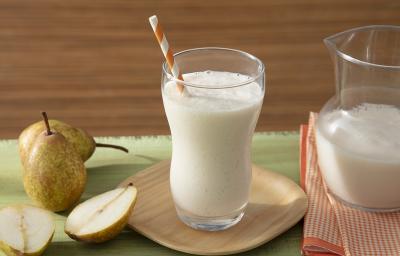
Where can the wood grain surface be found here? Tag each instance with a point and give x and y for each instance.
(96, 64)
(276, 204)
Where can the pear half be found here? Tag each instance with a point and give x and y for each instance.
(25, 230)
(102, 217)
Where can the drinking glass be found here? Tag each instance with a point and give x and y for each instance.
(212, 124)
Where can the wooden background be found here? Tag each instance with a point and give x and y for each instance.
(96, 64)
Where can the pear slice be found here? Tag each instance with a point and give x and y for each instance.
(25, 230)
(102, 217)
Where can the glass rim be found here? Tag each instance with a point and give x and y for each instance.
(348, 57)
(252, 79)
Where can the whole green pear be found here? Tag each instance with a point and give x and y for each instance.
(81, 140)
(54, 174)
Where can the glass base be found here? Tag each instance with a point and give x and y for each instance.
(210, 223)
(358, 207)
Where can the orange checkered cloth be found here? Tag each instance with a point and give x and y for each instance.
(332, 228)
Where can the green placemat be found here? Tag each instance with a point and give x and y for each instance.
(107, 168)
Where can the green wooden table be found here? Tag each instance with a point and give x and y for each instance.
(107, 168)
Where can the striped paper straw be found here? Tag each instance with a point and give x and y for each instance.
(166, 49)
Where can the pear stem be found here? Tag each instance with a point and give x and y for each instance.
(46, 122)
(102, 145)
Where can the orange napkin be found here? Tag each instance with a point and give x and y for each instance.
(332, 228)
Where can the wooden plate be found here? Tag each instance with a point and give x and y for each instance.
(276, 204)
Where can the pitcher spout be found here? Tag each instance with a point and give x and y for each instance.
(375, 45)
(365, 57)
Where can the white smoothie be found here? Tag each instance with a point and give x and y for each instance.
(359, 155)
(211, 135)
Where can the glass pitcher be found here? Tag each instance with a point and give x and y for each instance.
(358, 130)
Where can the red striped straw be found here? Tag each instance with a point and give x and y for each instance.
(166, 49)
